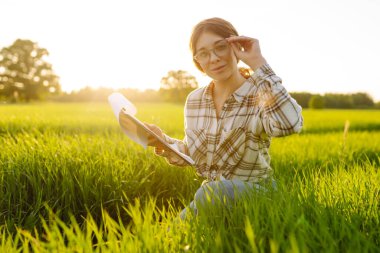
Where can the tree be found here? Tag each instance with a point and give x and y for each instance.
(177, 85)
(338, 101)
(362, 100)
(302, 98)
(24, 73)
(316, 102)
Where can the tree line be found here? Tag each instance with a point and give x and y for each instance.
(359, 100)
(174, 88)
(306, 100)
(25, 75)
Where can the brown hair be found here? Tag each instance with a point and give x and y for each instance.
(217, 26)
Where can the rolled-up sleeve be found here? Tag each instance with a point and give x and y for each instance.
(279, 112)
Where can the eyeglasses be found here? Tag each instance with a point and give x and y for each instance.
(221, 49)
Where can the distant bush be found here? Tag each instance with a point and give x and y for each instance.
(358, 100)
(302, 98)
(316, 102)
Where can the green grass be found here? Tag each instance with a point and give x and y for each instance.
(70, 181)
(321, 121)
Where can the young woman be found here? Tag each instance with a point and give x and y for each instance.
(229, 123)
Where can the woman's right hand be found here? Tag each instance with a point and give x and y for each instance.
(248, 50)
(160, 149)
(152, 141)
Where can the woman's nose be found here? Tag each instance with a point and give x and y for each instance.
(213, 57)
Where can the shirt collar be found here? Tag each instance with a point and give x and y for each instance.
(242, 91)
(207, 94)
(239, 94)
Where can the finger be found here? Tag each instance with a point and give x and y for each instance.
(245, 43)
(240, 38)
(150, 126)
(165, 153)
(156, 144)
(152, 141)
(158, 151)
(237, 49)
(155, 129)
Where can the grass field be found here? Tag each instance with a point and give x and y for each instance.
(70, 181)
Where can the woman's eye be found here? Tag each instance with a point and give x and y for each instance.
(221, 47)
(203, 54)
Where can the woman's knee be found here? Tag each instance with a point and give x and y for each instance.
(215, 190)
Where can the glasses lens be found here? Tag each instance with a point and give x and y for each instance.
(202, 56)
(222, 49)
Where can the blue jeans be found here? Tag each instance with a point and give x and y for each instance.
(224, 191)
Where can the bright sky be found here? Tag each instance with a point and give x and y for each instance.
(316, 46)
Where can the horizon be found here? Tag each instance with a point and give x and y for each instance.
(324, 47)
(145, 89)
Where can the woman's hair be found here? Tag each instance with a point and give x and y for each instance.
(217, 26)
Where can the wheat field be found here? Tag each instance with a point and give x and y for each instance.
(71, 181)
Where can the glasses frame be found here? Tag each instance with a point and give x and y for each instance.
(211, 50)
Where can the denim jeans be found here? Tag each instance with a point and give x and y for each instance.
(224, 191)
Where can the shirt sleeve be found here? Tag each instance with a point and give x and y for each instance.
(280, 113)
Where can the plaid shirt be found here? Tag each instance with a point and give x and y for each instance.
(236, 144)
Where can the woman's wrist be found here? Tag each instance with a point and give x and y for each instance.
(257, 63)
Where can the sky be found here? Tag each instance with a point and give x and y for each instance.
(314, 46)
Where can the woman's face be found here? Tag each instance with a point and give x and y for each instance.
(215, 56)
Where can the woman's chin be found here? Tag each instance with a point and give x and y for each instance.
(221, 77)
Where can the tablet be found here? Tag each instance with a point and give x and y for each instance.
(139, 133)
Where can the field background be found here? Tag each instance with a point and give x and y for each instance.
(71, 181)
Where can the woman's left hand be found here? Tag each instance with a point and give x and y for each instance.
(248, 50)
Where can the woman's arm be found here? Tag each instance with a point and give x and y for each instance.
(280, 114)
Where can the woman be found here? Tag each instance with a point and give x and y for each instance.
(229, 123)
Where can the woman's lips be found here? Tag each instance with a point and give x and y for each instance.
(218, 68)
